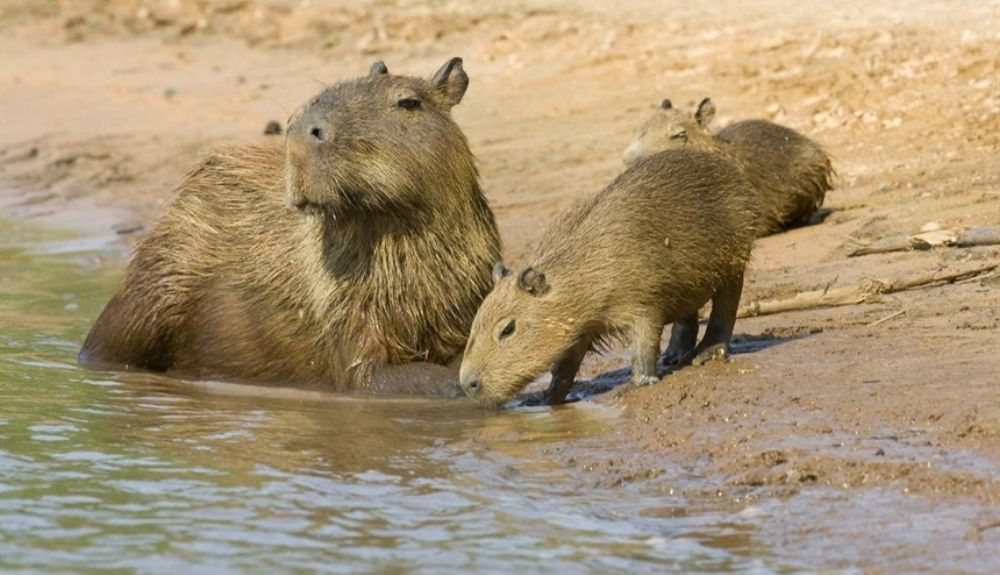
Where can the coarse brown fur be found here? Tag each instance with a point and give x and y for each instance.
(363, 241)
(667, 235)
(790, 172)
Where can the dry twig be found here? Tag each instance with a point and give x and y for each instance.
(959, 237)
(887, 318)
(866, 291)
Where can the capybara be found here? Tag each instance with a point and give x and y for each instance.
(671, 232)
(363, 242)
(790, 172)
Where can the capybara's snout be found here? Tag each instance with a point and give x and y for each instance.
(307, 133)
(307, 128)
(470, 382)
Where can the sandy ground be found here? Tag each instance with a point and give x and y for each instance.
(106, 105)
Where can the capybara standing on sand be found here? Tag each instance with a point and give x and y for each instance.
(790, 172)
(670, 233)
(364, 242)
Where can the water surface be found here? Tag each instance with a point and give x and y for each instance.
(142, 473)
(138, 473)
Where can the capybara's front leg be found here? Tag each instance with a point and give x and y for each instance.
(564, 371)
(725, 303)
(645, 352)
(683, 337)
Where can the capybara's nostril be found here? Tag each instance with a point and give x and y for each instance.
(318, 134)
(471, 386)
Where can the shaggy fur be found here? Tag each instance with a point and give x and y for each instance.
(364, 241)
(670, 233)
(790, 172)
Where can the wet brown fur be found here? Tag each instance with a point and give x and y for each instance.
(667, 235)
(384, 262)
(790, 172)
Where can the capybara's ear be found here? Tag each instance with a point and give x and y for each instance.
(666, 104)
(450, 82)
(533, 282)
(705, 112)
(500, 271)
(378, 68)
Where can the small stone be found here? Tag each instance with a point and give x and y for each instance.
(893, 123)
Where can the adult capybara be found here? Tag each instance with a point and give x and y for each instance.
(670, 233)
(790, 172)
(363, 242)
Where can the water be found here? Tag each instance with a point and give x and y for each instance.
(137, 473)
(108, 472)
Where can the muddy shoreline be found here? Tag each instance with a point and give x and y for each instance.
(896, 396)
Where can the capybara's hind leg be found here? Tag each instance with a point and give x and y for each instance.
(645, 352)
(683, 337)
(725, 303)
(564, 371)
(129, 335)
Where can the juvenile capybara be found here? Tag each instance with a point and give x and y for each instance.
(364, 241)
(670, 233)
(790, 172)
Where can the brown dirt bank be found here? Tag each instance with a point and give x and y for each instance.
(107, 104)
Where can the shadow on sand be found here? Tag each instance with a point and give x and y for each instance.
(618, 379)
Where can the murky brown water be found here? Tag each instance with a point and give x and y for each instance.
(140, 473)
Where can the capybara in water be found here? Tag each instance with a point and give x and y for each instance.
(670, 233)
(790, 172)
(364, 241)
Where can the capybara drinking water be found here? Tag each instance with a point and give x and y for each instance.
(363, 242)
(790, 172)
(670, 233)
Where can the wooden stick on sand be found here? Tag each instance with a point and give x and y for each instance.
(865, 291)
(959, 238)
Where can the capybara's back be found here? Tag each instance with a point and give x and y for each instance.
(791, 171)
(364, 241)
(654, 216)
(214, 289)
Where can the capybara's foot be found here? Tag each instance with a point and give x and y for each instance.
(716, 352)
(675, 356)
(552, 398)
(644, 380)
(636, 381)
(683, 336)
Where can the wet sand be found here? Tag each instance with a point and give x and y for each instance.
(106, 106)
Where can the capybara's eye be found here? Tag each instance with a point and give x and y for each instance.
(507, 330)
(408, 103)
(678, 135)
